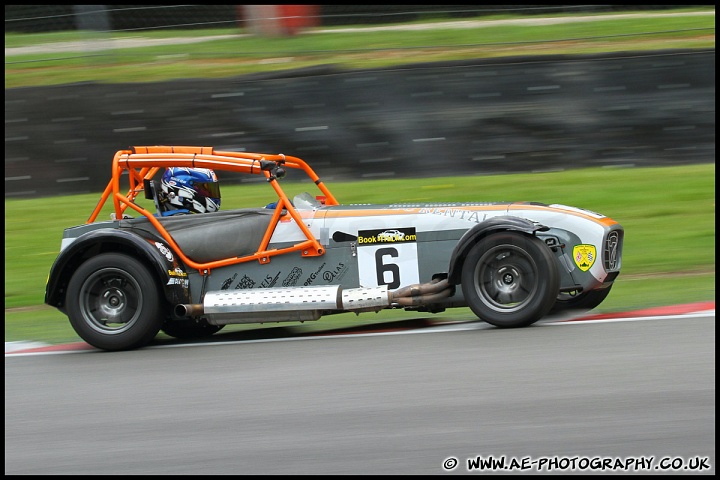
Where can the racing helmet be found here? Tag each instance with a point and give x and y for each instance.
(196, 190)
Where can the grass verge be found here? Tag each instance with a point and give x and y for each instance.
(668, 259)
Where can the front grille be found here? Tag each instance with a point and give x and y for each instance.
(612, 252)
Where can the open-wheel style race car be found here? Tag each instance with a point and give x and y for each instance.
(146, 269)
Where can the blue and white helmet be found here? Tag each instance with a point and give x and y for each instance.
(195, 190)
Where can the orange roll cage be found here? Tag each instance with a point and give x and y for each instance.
(143, 163)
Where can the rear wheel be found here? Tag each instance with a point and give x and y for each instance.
(113, 302)
(510, 279)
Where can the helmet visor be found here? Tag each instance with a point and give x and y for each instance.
(208, 189)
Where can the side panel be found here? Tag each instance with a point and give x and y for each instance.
(403, 245)
(561, 244)
(337, 266)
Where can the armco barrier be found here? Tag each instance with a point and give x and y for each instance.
(474, 117)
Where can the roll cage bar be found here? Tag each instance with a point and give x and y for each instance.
(141, 164)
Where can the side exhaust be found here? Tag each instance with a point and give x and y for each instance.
(190, 310)
(422, 294)
(308, 303)
(289, 299)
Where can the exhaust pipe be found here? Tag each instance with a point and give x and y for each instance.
(190, 310)
(420, 300)
(331, 298)
(422, 289)
(422, 294)
(287, 299)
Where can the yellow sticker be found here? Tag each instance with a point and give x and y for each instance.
(584, 256)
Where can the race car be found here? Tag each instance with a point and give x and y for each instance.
(124, 279)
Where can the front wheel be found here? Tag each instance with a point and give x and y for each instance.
(510, 279)
(113, 303)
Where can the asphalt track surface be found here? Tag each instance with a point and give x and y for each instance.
(397, 400)
(31, 347)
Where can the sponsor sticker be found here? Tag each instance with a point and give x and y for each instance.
(228, 281)
(311, 279)
(293, 277)
(335, 274)
(387, 257)
(269, 281)
(184, 282)
(178, 272)
(393, 235)
(245, 282)
(164, 251)
(584, 256)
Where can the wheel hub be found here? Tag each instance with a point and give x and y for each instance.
(114, 301)
(507, 279)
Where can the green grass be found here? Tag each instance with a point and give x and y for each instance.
(669, 252)
(352, 50)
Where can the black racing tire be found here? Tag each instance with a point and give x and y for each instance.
(190, 329)
(114, 303)
(510, 279)
(580, 302)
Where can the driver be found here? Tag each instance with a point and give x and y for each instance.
(188, 190)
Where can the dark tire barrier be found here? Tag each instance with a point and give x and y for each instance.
(504, 115)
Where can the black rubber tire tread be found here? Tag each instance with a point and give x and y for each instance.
(118, 287)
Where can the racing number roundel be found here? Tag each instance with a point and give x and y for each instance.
(388, 257)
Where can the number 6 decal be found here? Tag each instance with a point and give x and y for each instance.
(387, 273)
(387, 257)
